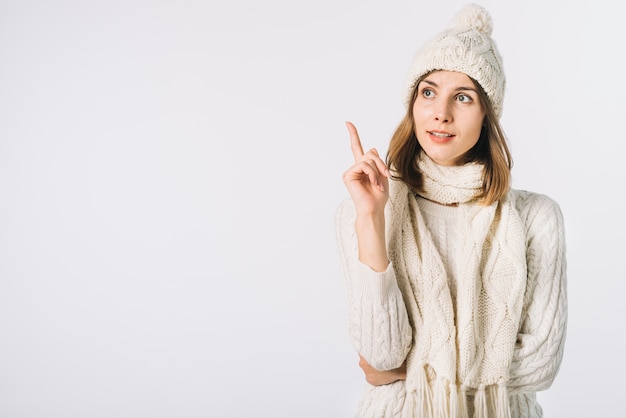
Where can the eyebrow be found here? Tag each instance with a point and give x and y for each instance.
(432, 83)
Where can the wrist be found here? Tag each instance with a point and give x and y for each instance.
(370, 230)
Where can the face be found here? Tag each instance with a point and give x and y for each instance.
(448, 116)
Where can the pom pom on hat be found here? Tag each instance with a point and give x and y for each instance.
(473, 16)
(465, 46)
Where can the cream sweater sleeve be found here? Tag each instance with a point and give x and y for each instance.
(377, 318)
(539, 349)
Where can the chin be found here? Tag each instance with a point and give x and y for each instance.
(445, 160)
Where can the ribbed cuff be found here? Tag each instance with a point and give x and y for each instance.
(376, 286)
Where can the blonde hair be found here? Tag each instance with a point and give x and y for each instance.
(491, 151)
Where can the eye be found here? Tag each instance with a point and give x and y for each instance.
(428, 92)
(464, 98)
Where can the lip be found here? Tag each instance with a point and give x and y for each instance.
(440, 137)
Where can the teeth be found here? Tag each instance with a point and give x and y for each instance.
(440, 135)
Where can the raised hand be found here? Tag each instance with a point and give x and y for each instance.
(367, 180)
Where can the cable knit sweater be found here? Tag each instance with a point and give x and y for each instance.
(383, 331)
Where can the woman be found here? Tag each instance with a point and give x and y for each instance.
(456, 283)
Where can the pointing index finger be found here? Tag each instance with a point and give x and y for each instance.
(355, 141)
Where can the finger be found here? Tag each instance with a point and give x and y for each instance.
(355, 141)
(380, 164)
(365, 169)
(374, 174)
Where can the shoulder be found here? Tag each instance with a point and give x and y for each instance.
(530, 202)
(346, 212)
(345, 216)
(345, 233)
(536, 210)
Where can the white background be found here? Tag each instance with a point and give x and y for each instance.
(169, 173)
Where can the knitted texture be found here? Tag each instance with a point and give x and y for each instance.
(443, 223)
(489, 301)
(465, 46)
(450, 184)
(506, 336)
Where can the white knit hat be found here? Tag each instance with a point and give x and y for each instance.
(465, 46)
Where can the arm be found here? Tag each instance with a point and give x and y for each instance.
(377, 318)
(539, 349)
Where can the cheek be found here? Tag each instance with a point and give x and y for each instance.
(419, 116)
(476, 127)
(477, 131)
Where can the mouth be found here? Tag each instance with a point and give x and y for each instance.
(440, 137)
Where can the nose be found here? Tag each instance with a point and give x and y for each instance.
(442, 111)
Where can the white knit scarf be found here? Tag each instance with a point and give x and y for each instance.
(467, 351)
